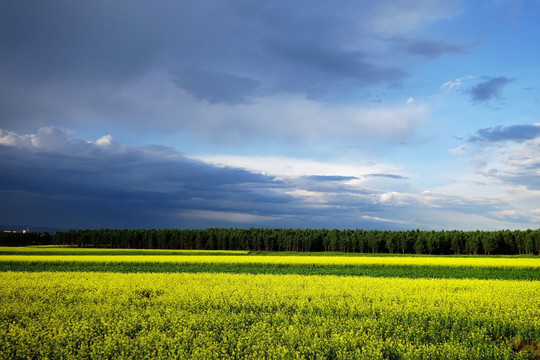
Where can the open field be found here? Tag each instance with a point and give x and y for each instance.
(125, 261)
(221, 310)
(457, 262)
(65, 250)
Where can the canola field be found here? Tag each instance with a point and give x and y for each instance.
(93, 311)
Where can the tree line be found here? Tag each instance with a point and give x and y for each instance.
(316, 240)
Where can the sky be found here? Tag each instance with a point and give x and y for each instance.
(413, 114)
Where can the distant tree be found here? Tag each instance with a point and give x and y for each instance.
(406, 239)
(391, 241)
(537, 240)
(519, 239)
(420, 243)
(490, 242)
(431, 242)
(530, 242)
(472, 242)
(374, 240)
(333, 240)
(443, 242)
(360, 239)
(456, 242)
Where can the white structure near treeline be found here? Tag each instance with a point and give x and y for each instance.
(24, 231)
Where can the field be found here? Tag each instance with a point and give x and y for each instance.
(99, 303)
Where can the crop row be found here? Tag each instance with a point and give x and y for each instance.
(222, 316)
(437, 272)
(467, 262)
(68, 250)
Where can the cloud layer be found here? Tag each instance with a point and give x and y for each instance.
(289, 114)
(516, 133)
(207, 68)
(55, 181)
(508, 159)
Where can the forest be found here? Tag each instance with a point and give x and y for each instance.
(313, 240)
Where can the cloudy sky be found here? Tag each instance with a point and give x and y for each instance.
(346, 114)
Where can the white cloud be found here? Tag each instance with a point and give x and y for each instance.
(460, 150)
(479, 161)
(535, 211)
(455, 84)
(52, 139)
(505, 214)
(379, 219)
(45, 139)
(287, 167)
(106, 140)
(270, 119)
(425, 199)
(391, 17)
(227, 216)
(9, 138)
(512, 163)
(301, 120)
(522, 155)
(510, 174)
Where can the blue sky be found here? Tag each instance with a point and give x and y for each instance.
(351, 114)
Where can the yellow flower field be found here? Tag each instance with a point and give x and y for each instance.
(476, 262)
(219, 312)
(226, 316)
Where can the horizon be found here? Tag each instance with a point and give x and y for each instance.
(363, 115)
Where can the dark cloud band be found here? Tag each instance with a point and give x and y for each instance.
(516, 133)
(489, 89)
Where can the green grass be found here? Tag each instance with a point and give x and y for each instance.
(436, 272)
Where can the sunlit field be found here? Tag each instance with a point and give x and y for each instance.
(287, 260)
(87, 306)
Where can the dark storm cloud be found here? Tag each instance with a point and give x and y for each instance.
(50, 180)
(312, 68)
(516, 133)
(53, 176)
(75, 60)
(430, 49)
(80, 40)
(216, 86)
(489, 89)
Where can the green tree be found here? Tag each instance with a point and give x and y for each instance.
(373, 240)
(490, 242)
(391, 241)
(360, 239)
(530, 242)
(420, 243)
(472, 242)
(431, 242)
(456, 242)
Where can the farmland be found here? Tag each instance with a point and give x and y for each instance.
(103, 303)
